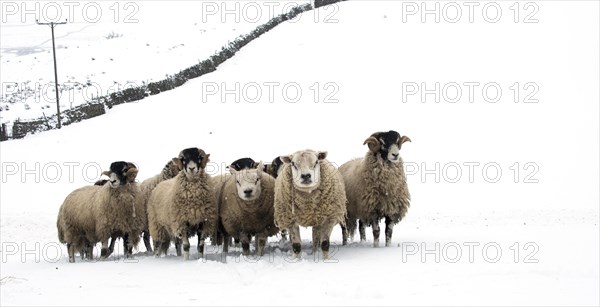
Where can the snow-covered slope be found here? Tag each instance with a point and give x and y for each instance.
(107, 47)
(529, 235)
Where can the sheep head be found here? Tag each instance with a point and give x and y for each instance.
(275, 167)
(121, 173)
(306, 168)
(192, 161)
(247, 182)
(387, 144)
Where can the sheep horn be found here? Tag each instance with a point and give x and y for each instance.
(204, 161)
(373, 143)
(106, 173)
(404, 139)
(131, 172)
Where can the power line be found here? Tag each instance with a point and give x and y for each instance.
(52, 25)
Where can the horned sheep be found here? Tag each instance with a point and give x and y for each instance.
(95, 213)
(183, 206)
(376, 187)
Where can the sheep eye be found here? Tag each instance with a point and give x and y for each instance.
(257, 180)
(294, 165)
(238, 182)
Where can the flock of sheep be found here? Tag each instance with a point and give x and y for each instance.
(254, 200)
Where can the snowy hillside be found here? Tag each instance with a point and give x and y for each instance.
(505, 204)
(121, 46)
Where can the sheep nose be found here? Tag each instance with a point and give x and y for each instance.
(305, 176)
(395, 155)
(248, 192)
(113, 181)
(191, 168)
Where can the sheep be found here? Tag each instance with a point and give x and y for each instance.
(170, 170)
(95, 213)
(309, 192)
(246, 208)
(182, 206)
(274, 169)
(376, 187)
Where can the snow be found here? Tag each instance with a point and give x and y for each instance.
(541, 213)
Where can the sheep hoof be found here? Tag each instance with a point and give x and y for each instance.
(388, 243)
(186, 256)
(325, 255)
(375, 243)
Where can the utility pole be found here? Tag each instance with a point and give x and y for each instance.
(52, 25)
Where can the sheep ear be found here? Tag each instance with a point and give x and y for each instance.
(286, 159)
(259, 169)
(106, 173)
(404, 139)
(204, 161)
(177, 162)
(321, 155)
(373, 143)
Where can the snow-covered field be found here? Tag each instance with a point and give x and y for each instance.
(505, 203)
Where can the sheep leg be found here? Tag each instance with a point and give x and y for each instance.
(146, 237)
(111, 248)
(202, 235)
(361, 231)
(316, 238)
(71, 251)
(262, 241)
(127, 246)
(178, 246)
(375, 225)
(284, 234)
(344, 235)
(296, 241)
(389, 228)
(245, 243)
(186, 247)
(104, 252)
(236, 241)
(90, 251)
(157, 248)
(324, 234)
(226, 241)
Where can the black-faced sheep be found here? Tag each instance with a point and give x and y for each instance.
(309, 192)
(183, 206)
(95, 213)
(376, 187)
(246, 208)
(274, 168)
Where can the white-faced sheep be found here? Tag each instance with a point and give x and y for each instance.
(309, 192)
(180, 207)
(376, 187)
(246, 208)
(95, 213)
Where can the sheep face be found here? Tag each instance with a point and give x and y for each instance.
(387, 145)
(192, 161)
(248, 182)
(243, 163)
(306, 168)
(121, 173)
